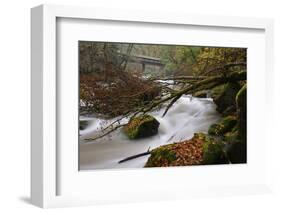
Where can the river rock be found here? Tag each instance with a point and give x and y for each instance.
(237, 150)
(201, 94)
(141, 127)
(213, 150)
(161, 157)
(83, 124)
(226, 125)
(224, 97)
(241, 103)
(202, 149)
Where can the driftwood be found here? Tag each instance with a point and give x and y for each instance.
(148, 152)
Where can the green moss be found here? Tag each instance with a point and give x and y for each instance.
(200, 136)
(141, 126)
(161, 156)
(214, 129)
(231, 137)
(218, 90)
(237, 152)
(223, 127)
(241, 103)
(241, 96)
(213, 151)
(200, 94)
(224, 96)
(229, 122)
(233, 130)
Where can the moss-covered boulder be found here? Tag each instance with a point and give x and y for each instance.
(224, 96)
(213, 150)
(241, 104)
(237, 144)
(141, 127)
(189, 152)
(231, 110)
(226, 125)
(83, 124)
(202, 149)
(217, 91)
(161, 157)
(231, 137)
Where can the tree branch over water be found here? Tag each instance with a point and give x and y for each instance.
(201, 84)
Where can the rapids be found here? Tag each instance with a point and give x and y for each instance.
(186, 117)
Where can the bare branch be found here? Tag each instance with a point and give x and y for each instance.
(171, 104)
(179, 78)
(207, 83)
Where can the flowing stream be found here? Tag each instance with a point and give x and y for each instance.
(186, 117)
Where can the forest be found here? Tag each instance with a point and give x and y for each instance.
(152, 105)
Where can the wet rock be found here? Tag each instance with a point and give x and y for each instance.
(161, 156)
(237, 149)
(224, 96)
(83, 124)
(226, 125)
(213, 150)
(202, 149)
(201, 94)
(237, 152)
(141, 127)
(231, 110)
(231, 137)
(241, 103)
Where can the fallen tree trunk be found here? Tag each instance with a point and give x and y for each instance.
(179, 78)
(206, 83)
(203, 84)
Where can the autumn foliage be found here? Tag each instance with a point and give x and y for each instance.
(122, 94)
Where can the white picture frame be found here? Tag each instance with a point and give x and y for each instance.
(45, 169)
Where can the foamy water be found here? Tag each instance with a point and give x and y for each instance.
(186, 117)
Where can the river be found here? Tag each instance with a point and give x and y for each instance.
(186, 117)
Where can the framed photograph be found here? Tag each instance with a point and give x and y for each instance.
(130, 106)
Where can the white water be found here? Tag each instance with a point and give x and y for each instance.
(186, 117)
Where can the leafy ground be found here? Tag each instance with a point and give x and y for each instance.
(189, 152)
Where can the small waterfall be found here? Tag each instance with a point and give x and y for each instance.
(187, 116)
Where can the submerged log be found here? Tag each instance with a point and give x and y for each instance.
(135, 156)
